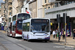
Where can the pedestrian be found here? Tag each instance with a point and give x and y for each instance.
(73, 33)
(56, 33)
(53, 33)
(59, 36)
(68, 34)
(63, 34)
(51, 30)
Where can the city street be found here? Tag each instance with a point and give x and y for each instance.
(10, 43)
(51, 22)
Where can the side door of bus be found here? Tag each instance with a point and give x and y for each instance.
(25, 29)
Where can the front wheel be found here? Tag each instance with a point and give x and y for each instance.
(13, 35)
(23, 37)
(27, 38)
(46, 41)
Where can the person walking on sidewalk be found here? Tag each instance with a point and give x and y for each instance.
(63, 34)
(56, 33)
(68, 34)
(53, 33)
(73, 33)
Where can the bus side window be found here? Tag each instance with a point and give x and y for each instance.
(25, 27)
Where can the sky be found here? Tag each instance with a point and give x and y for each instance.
(1, 1)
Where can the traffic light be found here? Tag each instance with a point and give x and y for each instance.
(58, 18)
(67, 18)
(61, 19)
(64, 15)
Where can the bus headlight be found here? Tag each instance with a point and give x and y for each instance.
(32, 34)
(46, 34)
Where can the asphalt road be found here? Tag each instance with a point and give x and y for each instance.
(19, 44)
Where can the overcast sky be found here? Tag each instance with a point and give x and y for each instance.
(1, 1)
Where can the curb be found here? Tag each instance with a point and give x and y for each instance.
(2, 31)
(66, 44)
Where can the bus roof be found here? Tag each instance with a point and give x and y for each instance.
(21, 13)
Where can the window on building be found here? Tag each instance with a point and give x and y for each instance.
(28, 1)
(45, 1)
(48, 7)
(4, 11)
(66, 2)
(10, 8)
(44, 8)
(0, 10)
(56, 4)
(10, 3)
(10, 13)
(4, 6)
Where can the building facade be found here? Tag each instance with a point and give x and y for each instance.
(25, 5)
(20, 5)
(39, 9)
(8, 8)
(3, 12)
(14, 7)
(33, 8)
(0, 11)
(61, 8)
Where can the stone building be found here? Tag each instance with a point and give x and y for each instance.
(33, 8)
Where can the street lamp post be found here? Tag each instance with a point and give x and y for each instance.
(58, 19)
(65, 27)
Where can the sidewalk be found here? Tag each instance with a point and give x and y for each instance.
(69, 40)
(2, 31)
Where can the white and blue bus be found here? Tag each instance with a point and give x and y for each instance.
(36, 29)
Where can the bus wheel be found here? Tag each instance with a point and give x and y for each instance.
(27, 38)
(46, 41)
(13, 35)
(23, 37)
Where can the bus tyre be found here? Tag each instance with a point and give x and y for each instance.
(46, 41)
(23, 37)
(27, 38)
(13, 35)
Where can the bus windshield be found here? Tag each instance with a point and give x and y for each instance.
(19, 25)
(40, 26)
(23, 16)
